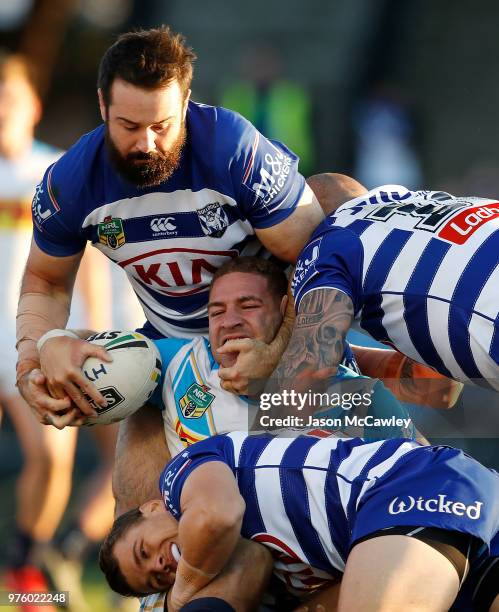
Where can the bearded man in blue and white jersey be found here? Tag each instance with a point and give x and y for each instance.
(418, 271)
(400, 524)
(168, 189)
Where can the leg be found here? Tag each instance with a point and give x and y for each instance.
(44, 485)
(96, 516)
(396, 572)
(141, 454)
(43, 489)
(65, 562)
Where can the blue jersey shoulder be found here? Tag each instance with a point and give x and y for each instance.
(69, 189)
(333, 258)
(176, 472)
(261, 174)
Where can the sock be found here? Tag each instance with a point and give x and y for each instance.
(19, 549)
(74, 545)
(207, 604)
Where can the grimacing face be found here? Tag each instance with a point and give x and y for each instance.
(241, 306)
(148, 552)
(145, 130)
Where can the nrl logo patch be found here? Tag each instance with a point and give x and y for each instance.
(196, 401)
(213, 219)
(111, 233)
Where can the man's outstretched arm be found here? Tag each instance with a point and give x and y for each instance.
(318, 340)
(44, 304)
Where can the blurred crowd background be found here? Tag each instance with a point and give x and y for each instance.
(417, 76)
(389, 91)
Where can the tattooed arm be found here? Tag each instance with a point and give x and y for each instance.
(317, 342)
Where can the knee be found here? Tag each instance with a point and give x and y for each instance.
(46, 457)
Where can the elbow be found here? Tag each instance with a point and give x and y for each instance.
(332, 190)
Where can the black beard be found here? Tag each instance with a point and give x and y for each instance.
(154, 169)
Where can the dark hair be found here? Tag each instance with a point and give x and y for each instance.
(108, 562)
(147, 58)
(276, 279)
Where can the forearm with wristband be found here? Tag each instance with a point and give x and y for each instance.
(37, 313)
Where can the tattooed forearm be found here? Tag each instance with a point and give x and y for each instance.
(317, 342)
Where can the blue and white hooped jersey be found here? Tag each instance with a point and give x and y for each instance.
(422, 271)
(311, 499)
(170, 239)
(193, 404)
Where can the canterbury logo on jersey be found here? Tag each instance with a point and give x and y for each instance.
(163, 224)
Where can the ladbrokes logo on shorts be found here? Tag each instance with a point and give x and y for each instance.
(441, 503)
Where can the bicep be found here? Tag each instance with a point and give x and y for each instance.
(213, 486)
(286, 239)
(43, 271)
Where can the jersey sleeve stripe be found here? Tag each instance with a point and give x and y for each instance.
(251, 160)
(50, 189)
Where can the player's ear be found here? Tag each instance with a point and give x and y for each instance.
(102, 105)
(284, 305)
(186, 102)
(152, 507)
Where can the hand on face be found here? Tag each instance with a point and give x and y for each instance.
(244, 318)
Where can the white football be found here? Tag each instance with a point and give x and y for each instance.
(129, 380)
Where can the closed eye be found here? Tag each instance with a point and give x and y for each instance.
(160, 128)
(215, 313)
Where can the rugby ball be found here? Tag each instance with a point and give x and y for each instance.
(129, 380)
